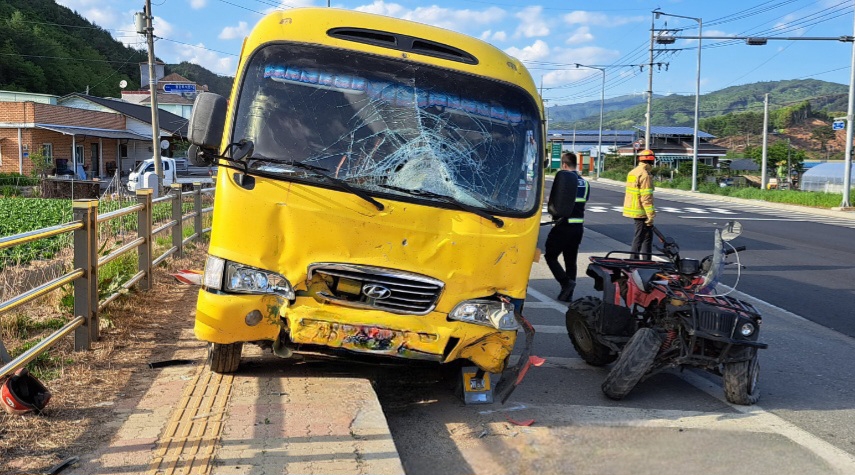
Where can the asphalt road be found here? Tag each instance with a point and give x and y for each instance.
(805, 419)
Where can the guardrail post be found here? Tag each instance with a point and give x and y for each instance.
(177, 216)
(144, 251)
(197, 205)
(86, 286)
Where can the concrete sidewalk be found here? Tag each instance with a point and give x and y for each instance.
(270, 418)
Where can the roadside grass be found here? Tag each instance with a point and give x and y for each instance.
(794, 197)
(136, 329)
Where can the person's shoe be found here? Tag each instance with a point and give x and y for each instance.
(566, 294)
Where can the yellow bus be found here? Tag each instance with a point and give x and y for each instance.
(379, 192)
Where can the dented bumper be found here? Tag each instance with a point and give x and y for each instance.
(432, 337)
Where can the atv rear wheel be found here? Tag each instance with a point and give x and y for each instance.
(740, 381)
(634, 362)
(224, 358)
(578, 318)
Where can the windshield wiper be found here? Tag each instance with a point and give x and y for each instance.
(323, 172)
(447, 199)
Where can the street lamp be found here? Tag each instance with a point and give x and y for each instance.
(697, 92)
(850, 114)
(602, 104)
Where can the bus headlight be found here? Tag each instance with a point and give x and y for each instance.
(491, 313)
(229, 276)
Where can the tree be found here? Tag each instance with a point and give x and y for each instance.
(779, 152)
(42, 165)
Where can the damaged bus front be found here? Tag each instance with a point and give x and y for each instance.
(379, 192)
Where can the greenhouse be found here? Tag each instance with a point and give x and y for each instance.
(825, 177)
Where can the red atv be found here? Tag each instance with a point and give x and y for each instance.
(664, 313)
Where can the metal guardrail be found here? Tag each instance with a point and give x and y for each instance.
(86, 262)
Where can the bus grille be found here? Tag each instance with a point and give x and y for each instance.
(379, 288)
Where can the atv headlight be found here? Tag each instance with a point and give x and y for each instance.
(230, 276)
(747, 329)
(491, 313)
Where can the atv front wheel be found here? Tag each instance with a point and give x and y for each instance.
(578, 318)
(224, 358)
(634, 362)
(740, 381)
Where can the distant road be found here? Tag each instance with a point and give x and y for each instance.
(798, 261)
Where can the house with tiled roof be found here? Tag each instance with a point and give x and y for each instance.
(137, 119)
(175, 93)
(674, 146)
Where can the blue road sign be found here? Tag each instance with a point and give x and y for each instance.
(179, 88)
(838, 125)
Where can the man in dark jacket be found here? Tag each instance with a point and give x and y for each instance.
(566, 234)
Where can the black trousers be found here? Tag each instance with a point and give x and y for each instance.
(643, 240)
(564, 239)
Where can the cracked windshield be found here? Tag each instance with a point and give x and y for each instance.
(391, 127)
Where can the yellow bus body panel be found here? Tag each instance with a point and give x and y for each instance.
(285, 227)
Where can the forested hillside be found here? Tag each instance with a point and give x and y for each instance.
(222, 85)
(586, 110)
(47, 48)
(679, 110)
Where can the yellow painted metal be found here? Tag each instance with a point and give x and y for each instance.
(285, 227)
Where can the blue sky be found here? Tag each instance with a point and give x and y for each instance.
(549, 36)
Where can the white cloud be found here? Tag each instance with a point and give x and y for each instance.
(599, 19)
(289, 4)
(536, 51)
(232, 32)
(380, 7)
(197, 54)
(491, 35)
(570, 56)
(198, 4)
(581, 35)
(532, 23)
(457, 20)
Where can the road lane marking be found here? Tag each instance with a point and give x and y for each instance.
(839, 459)
(545, 301)
(558, 362)
(551, 329)
(742, 218)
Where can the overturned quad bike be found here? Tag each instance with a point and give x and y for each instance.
(665, 313)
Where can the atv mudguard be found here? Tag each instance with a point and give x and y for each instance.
(615, 319)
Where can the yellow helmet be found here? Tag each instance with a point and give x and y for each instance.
(646, 155)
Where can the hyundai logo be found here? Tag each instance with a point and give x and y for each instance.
(375, 291)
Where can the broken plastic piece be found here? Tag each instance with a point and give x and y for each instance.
(191, 277)
(525, 423)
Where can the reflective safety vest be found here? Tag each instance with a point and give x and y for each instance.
(582, 193)
(638, 201)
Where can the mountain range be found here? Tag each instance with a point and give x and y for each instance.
(48, 48)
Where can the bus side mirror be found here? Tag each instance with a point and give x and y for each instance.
(207, 121)
(562, 198)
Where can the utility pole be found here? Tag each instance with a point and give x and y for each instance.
(152, 89)
(765, 140)
(649, 86)
(847, 164)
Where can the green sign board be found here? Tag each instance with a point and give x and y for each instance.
(555, 161)
(556, 150)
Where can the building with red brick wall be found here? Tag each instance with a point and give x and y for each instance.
(65, 135)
